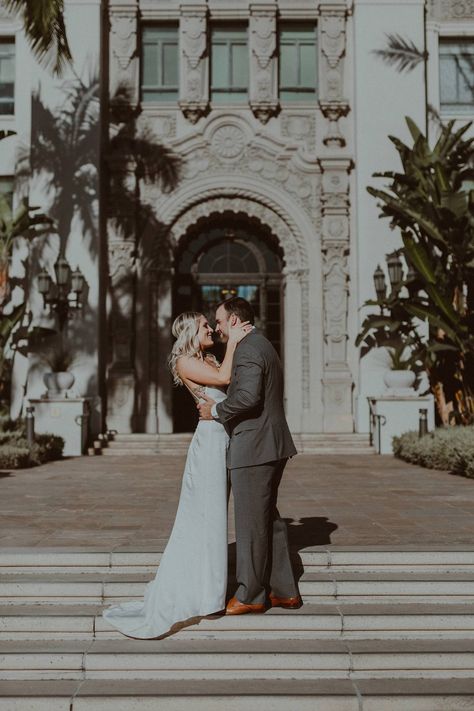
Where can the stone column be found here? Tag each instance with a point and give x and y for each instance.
(337, 380)
(121, 371)
(293, 353)
(263, 89)
(194, 61)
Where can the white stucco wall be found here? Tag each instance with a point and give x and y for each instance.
(83, 23)
(382, 98)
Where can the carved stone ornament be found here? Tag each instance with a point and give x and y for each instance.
(451, 9)
(333, 49)
(124, 77)
(333, 35)
(300, 127)
(263, 70)
(121, 258)
(194, 92)
(336, 292)
(228, 142)
(333, 112)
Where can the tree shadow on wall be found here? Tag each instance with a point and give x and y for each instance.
(136, 160)
(65, 155)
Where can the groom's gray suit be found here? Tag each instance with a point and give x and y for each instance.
(260, 444)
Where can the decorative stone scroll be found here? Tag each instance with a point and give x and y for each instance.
(124, 60)
(335, 252)
(263, 63)
(333, 18)
(194, 64)
(451, 9)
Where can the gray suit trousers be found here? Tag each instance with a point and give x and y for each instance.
(263, 557)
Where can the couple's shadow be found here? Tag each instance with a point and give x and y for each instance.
(302, 533)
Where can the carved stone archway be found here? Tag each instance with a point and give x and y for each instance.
(296, 288)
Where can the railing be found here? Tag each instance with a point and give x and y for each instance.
(376, 424)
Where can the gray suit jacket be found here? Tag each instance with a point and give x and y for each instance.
(253, 413)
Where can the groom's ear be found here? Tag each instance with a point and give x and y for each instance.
(233, 319)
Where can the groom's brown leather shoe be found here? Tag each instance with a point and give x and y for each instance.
(289, 603)
(235, 607)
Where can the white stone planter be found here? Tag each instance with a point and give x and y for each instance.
(58, 383)
(399, 381)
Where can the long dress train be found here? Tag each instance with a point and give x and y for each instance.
(191, 579)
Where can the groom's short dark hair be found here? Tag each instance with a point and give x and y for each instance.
(240, 307)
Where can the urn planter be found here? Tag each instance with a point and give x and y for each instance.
(397, 380)
(57, 384)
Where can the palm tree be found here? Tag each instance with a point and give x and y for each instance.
(45, 28)
(431, 202)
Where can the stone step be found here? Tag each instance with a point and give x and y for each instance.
(330, 621)
(122, 451)
(336, 694)
(410, 559)
(357, 586)
(236, 659)
(172, 444)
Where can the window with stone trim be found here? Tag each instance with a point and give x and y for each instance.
(160, 64)
(456, 72)
(7, 76)
(297, 61)
(229, 64)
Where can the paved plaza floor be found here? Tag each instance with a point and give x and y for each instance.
(110, 502)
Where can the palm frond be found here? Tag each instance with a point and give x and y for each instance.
(403, 54)
(45, 28)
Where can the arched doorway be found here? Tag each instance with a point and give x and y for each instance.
(220, 257)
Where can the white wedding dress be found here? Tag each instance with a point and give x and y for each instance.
(192, 576)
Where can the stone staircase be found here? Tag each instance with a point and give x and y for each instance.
(379, 629)
(153, 444)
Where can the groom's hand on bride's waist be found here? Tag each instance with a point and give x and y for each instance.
(206, 408)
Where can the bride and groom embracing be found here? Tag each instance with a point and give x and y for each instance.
(243, 435)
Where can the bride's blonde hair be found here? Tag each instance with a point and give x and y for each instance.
(185, 329)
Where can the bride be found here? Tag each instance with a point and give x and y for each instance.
(192, 576)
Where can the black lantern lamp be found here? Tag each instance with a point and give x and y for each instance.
(77, 282)
(63, 295)
(44, 285)
(395, 270)
(62, 271)
(379, 283)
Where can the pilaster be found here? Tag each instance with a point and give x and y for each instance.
(332, 38)
(124, 68)
(194, 64)
(337, 379)
(263, 91)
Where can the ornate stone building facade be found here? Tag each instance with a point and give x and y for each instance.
(271, 118)
(282, 168)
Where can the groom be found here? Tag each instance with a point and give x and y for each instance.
(260, 445)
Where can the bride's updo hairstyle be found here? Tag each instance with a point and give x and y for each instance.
(185, 329)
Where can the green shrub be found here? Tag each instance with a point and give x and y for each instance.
(13, 456)
(15, 453)
(449, 448)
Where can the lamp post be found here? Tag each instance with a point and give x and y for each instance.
(380, 284)
(64, 294)
(395, 270)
